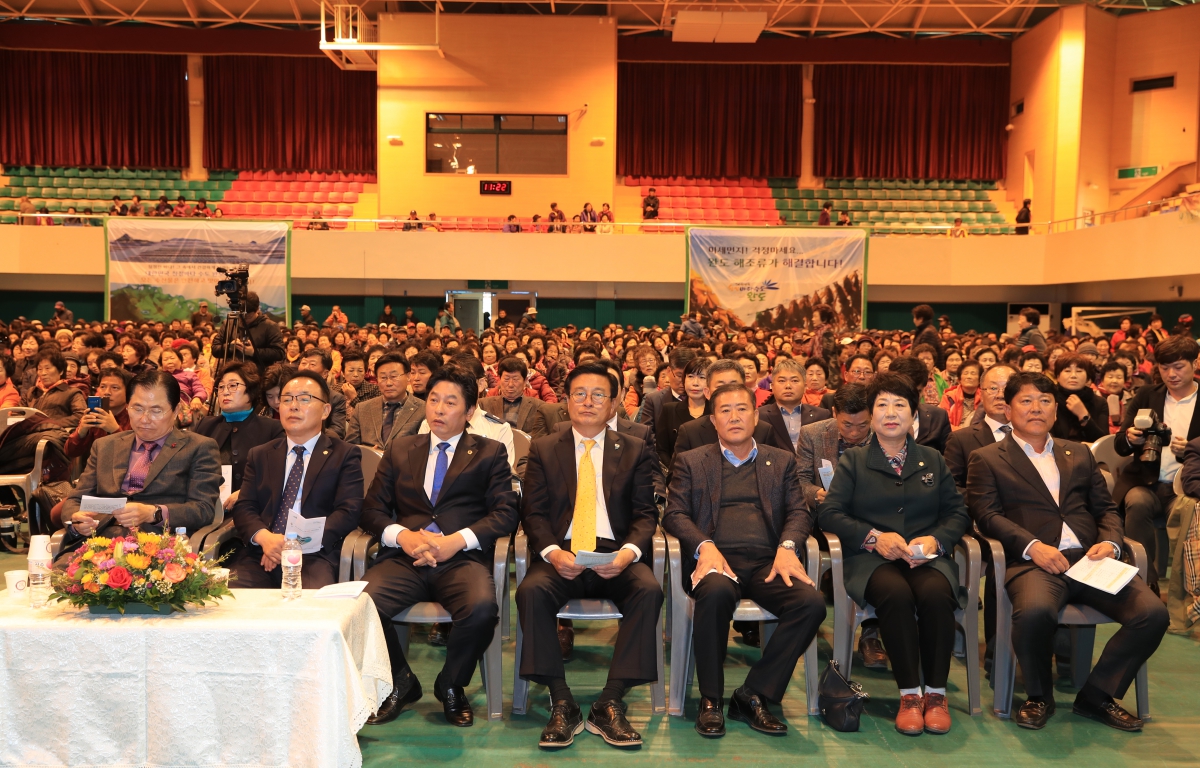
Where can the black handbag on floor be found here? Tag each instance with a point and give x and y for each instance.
(841, 700)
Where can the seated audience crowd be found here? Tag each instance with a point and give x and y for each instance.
(898, 442)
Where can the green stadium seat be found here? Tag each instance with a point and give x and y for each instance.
(960, 207)
(7, 204)
(975, 207)
(998, 218)
(860, 183)
(216, 194)
(931, 206)
(960, 185)
(874, 216)
(94, 194)
(8, 219)
(978, 230)
(78, 193)
(939, 194)
(125, 173)
(71, 172)
(900, 205)
(954, 194)
(86, 173)
(821, 194)
(141, 174)
(919, 184)
(856, 205)
(889, 183)
(911, 194)
(886, 205)
(903, 184)
(62, 192)
(874, 184)
(906, 217)
(993, 230)
(870, 205)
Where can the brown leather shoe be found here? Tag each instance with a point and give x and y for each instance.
(566, 642)
(937, 713)
(910, 720)
(874, 657)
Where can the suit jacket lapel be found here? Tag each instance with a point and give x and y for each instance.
(315, 463)
(775, 416)
(528, 406)
(464, 454)
(765, 472)
(712, 478)
(614, 449)
(1063, 462)
(1017, 459)
(564, 451)
(983, 434)
(121, 460)
(174, 443)
(418, 457)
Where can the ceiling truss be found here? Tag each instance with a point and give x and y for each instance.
(787, 18)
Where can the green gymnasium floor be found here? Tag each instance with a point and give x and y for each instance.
(421, 734)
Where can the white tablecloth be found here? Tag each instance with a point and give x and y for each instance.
(253, 681)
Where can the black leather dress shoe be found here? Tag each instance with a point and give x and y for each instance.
(438, 634)
(1108, 712)
(456, 705)
(709, 720)
(1034, 714)
(395, 703)
(750, 708)
(566, 722)
(751, 637)
(566, 642)
(607, 720)
(874, 657)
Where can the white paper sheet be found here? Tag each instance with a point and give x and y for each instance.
(349, 589)
(310, 531)
(826, 472)
(100, 505)
(918, 552)
(592, 559)
(226, 482)
(697, 576)
(1107, 574)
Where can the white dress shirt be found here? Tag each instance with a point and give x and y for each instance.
(289, 462)
(997, 432)
(480, 424)
(603, 524)
(1177, 414)
(1047, 469)
(916, 427)
(392, 533)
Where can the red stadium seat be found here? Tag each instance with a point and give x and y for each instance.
(355, 186)
(705, 191)
(237, 209)
(319, 197)
(340, 186)
(738, 203)
(385, 225)
(272, 175)
(275, 197)
(245, 175)
(290, 197)
(259, 176)
(449, 224)
(645, 190)
(760, 216)
(695, 213)
(268, 209)
(311, 186)
(304, 197)
(345, 211)
(337, 224)
(741, 215)
(260, 197)
(325, 186)
(334, 197)
(299, 210)
(329, 211)
(349, 197)
(318, 176)
(678, 191)
(288, 175)
(295, 186)
(253, 209)
(303, 176)
(735, 191)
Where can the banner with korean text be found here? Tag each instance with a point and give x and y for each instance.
(772, 277)
(161, 269)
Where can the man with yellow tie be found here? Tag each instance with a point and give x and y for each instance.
(589, 489)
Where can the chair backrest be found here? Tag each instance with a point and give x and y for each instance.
(1106, 455)
(521, 441)
(370, 463)
(10, 416)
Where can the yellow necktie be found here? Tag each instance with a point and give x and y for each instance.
(583, 531)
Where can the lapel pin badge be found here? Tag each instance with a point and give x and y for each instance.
(920, 463)
(469, 452)
(927, 478)
(1067, 452)
(768, 463)
(324, 453)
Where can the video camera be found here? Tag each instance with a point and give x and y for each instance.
(1156, 433)
(235, 286)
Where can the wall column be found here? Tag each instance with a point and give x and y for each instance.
(195, 169)
(807, 139)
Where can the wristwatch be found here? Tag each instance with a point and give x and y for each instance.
(789, 544)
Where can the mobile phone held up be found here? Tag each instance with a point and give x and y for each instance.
(97, 403)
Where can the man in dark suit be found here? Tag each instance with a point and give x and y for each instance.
(788, 414)
(510, 403)
(170, 479)
(395, 413)
(1047, 503)
(439, 503)
(739, 513)
(589, 489)
(653, 403)
(986, 427)
(1145, 487)
(305, 473)
(700, 432)
(932, 425)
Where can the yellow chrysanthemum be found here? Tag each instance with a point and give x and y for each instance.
(139, 582)
(99, 542)
(156, 575)
(134, 560)
(103, 579)
(87, 555)
(87, 578)
(143, 537)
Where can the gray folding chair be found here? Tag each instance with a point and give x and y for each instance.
(370, 463)
(683, 660)
(1080, 618)
(593, 610)
(29, 481)
(848, 615)
(365, 547)
(15, 415)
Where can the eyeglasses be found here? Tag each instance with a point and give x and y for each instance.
(304, 399)
(597, 397)
(155, 413)
(993, 390)
(229, 389)
(387, 379)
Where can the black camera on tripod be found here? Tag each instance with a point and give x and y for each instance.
(1156, 434)
(235, 286)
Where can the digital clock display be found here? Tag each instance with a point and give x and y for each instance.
(495, 187)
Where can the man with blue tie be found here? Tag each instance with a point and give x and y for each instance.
(438, 503)
(305, 473)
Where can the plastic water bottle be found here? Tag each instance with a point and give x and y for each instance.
(291, 560)
(181, 540)
(39, 561)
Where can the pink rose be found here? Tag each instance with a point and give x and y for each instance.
(119, 578)
(173, 573)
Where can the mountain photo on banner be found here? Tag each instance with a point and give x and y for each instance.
(773, 278)
(162, 270)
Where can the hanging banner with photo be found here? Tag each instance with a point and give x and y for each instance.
(161, 269)
(771, 278)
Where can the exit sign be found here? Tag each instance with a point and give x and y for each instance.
(1137, 173)
(484, 285)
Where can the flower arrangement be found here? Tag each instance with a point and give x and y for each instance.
(148, 568)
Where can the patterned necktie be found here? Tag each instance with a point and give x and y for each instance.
(1006, 429)
(389, 419)
(139, 466)
(439, 472)
(583, 530)
(291, 490)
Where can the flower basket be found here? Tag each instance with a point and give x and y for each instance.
(143, 573)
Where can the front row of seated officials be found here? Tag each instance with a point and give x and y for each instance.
(441, 500)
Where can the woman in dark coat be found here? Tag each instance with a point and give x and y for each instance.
(676, 414)
(237, 429)
(1082, 414)
(887, 498)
